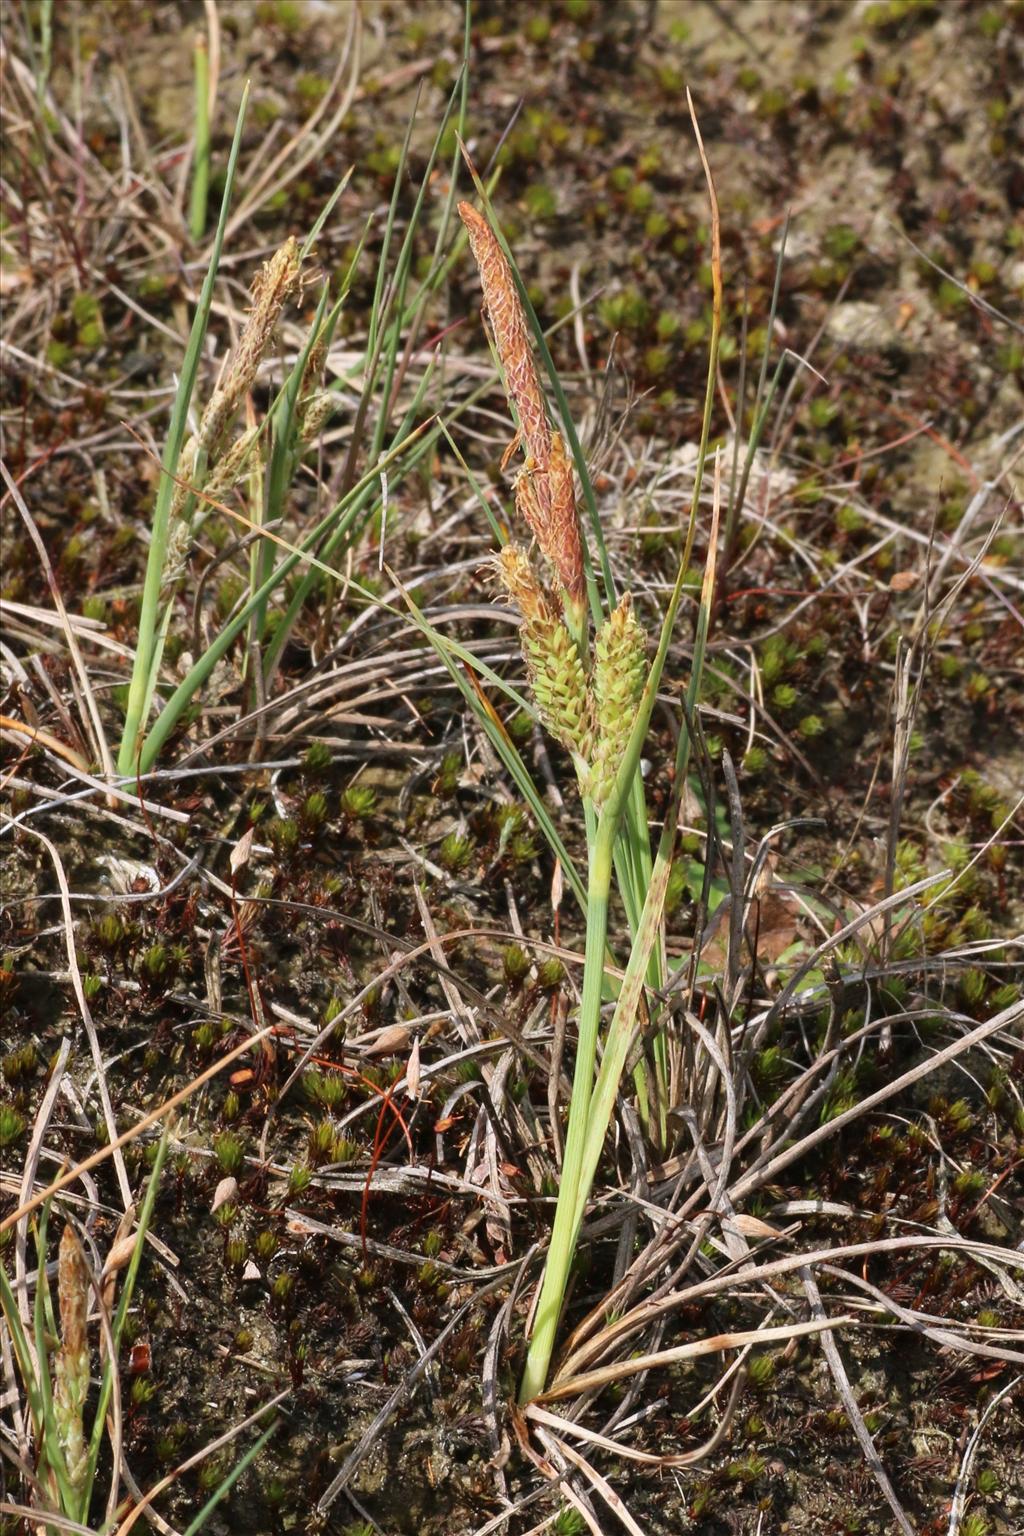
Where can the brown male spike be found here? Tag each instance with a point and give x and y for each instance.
(511, 338)
(545, 495)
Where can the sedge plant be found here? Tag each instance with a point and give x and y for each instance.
(54, 1346)
(52, 1352)
(261, 462)
(593, 688)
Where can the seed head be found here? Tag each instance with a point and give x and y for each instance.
(552, 660)
(271, 286)
(620, 669)
(71, 1364)
(229, 467)
(270, 289)
(545, 494)
(511, 338)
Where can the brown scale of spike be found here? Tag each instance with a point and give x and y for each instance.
(565, 550)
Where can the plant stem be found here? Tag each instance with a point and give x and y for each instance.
(564, 1231)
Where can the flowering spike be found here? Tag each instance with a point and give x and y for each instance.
(620, 669)
(71, 1364)
(566, 549)
(552, 660)
(511, 338)
(545, 494)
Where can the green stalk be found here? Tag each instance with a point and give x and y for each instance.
(621, 1029)
(44, 1429)
(348, 528)
(141, 686)
(38, 1388)
(590, 1108)
(45, 50)
(201, 157)
(388, 315)
(563, 1233)
(285, 451)
(46, 1325)
(566, 1226)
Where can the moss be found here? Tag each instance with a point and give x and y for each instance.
(671, 79)
(286, 14)
(761, 1370)
(12, 1125)
(773, 102)
(229, 1151)
(358, 802)
(640, 197)
(311, 89)
(626, 310)
(540, 202)
(657, 360)
(455, 853)
(314, 809)
(550, 974)
(515, 963)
